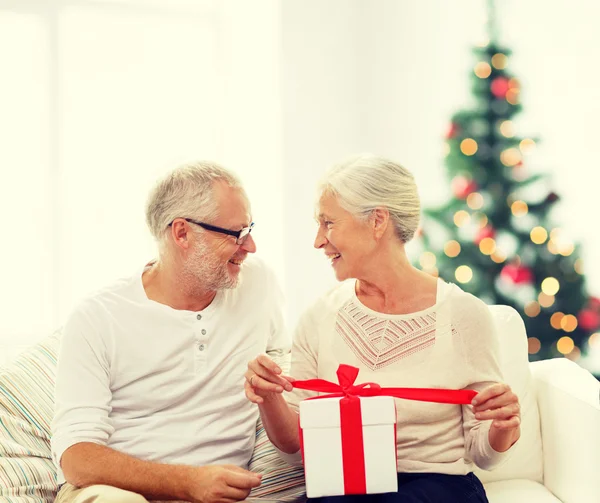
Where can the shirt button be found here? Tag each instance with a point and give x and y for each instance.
(198, 316)
(203, 332)
(201, 347)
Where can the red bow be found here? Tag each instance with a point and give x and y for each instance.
(346, 388)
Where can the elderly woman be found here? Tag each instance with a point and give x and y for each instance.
(401, 327)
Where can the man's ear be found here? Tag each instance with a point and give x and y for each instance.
(179, 233)
(380, 218)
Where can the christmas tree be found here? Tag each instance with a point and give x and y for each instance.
(495, 235)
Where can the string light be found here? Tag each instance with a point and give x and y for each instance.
(487, 246)
(481, 219)
(483, 70)
(565, 345)
(507, 128)
(463, 274)
(475, 201)
(594, 340)
(446, 150)
(550, 286)
(552, 247)
(527, 146)
(498, 256)
(568, 323)
(512, 96)
(510, 157)
(578, 266)
(575, 354)
(468, 146)
(532, 309)
(567, 249)
(461, 218)
(533, 345)
(539, 235)
(519, 208)
(499, 61)
(452, 248)
(545, 300)
(555, 320)
(427, 260)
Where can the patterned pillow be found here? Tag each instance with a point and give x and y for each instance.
(27, 473)
(280, 481)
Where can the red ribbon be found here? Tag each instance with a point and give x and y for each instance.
(353, 456)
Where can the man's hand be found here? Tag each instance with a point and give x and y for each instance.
(220, 484)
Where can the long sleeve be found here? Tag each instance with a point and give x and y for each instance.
(480, 347)
(82, 393)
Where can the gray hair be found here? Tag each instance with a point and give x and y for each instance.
(186, 192)
(365, 182)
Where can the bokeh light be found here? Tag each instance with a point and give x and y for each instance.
(499, 61)
(519, 208)
(532, 309)
(539, 235)
(483, 70)
(461, 218)
(550, 286)
(565, 345)
(475, 201)
(452, 248)
(533, 345)
(468, 146)
(463, 274)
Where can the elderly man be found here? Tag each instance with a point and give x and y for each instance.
(149, 395)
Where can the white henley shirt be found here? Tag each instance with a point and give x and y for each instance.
(162, 384)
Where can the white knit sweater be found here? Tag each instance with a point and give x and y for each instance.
(452, 344)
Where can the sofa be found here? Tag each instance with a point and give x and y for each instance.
(556, 460)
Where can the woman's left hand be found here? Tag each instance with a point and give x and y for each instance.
(498, 403)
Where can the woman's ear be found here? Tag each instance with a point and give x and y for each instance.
(380, 218)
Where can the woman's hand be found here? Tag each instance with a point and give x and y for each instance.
(264, 378)
(498, 403)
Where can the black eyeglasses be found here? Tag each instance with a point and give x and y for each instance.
(240, 236)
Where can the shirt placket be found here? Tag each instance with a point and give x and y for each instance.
(200, 345)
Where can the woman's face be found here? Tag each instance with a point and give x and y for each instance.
(346, 241)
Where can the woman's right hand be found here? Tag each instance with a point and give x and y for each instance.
(264, 378)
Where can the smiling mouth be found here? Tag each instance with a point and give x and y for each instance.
(333, 257)
(236, 262)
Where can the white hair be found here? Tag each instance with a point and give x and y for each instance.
(365, 182)
(187, 192)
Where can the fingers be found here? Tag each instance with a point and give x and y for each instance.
(242, 479)
(507, 424)
(251, 395)
(490, 392)
(263, 373)
(501, 413)
(508, 398)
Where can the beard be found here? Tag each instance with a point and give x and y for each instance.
(204, 271)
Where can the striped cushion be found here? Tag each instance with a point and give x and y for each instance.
(280, 481)
(27, 473)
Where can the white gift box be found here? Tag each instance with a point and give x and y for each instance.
(321, 432)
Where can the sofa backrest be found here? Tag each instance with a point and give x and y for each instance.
(526, 458)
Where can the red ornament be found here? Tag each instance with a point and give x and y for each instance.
(517, 274)
(487, 232)
(594, 303)
(462, 186)
(452, 131)
(499, 87)
(588, 320)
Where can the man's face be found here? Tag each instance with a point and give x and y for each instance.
(215, 259)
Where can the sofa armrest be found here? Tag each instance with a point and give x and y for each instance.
(569, 403)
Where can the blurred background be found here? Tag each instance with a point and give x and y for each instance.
(98, 98)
